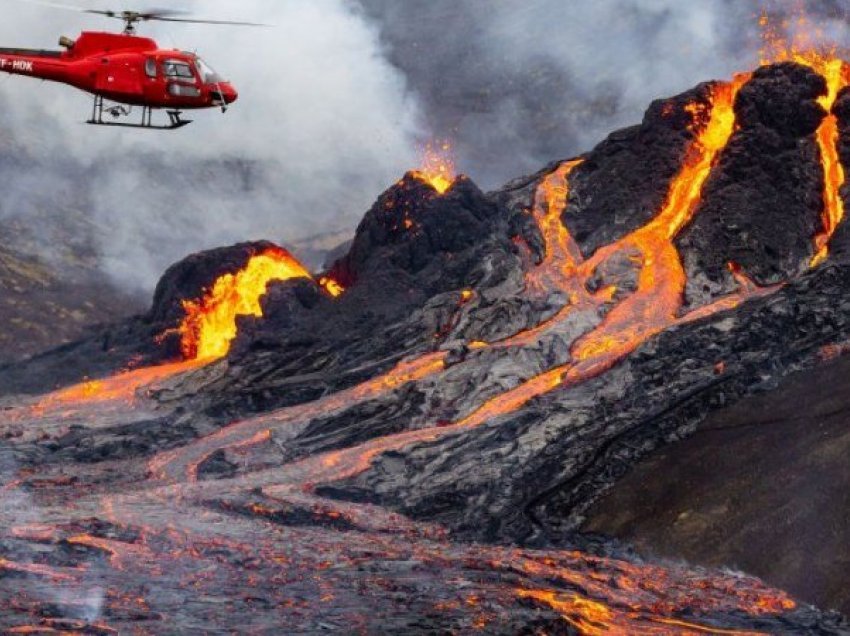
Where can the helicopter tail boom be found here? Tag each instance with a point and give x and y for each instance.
(44, 65)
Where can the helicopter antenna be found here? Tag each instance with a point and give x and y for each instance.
(132, 18)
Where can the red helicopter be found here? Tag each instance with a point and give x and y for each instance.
(128, 70)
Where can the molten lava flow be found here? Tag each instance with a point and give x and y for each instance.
(595, 619)
(331, 286)
(183, 463)
(717, 126)
(799, 47)
(835, 72)
(656, 303)
(661, 282)
(210, 323)
(437, 169)
(118, 388)
(562, 254)
(587, 616)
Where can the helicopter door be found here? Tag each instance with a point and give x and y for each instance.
(120, 78)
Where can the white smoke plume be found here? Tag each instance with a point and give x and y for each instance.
(336, 100)
(323, 124)
(519, 83)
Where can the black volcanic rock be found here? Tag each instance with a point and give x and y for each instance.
(762, 205)
(623, 182)
(192, 277)
(746, 487)
(410, 224)
(138, 340)
(412, 255)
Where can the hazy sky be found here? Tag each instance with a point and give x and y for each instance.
(338, 97)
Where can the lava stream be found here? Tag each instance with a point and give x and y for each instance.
(778, 47)
(182, 463)
(835, 72)
(655, 305)
(592, 618)
(118, 388)
(562, 253)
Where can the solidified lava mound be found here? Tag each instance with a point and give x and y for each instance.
(141, 341)
(495, 366)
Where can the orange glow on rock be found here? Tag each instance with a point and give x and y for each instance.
(662, 279)
(801, 48)
(331, 286)
(210, 325)
(122, 387)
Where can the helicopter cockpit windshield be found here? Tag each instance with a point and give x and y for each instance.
(208, 75)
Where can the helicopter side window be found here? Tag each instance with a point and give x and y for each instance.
(178, 70)
(150, 67)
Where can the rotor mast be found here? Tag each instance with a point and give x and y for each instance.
(131, 18)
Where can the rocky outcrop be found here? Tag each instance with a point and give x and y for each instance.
(763, 203)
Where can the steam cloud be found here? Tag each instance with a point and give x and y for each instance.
(324, 123)
(336, 101)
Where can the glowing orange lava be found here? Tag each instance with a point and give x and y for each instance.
(595, 619)
(662, 279)
(779, 46)
(210, 325)
(122, 387)
(331, 286)
(438, 169)
(562, 254)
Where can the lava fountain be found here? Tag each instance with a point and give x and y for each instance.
(438, 167)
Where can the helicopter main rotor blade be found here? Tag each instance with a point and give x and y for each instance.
(107, 12)
(54, 5)
(136, 15)
(149, 15)
(192, 21)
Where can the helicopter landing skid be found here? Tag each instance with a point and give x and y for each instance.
(118, 111)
